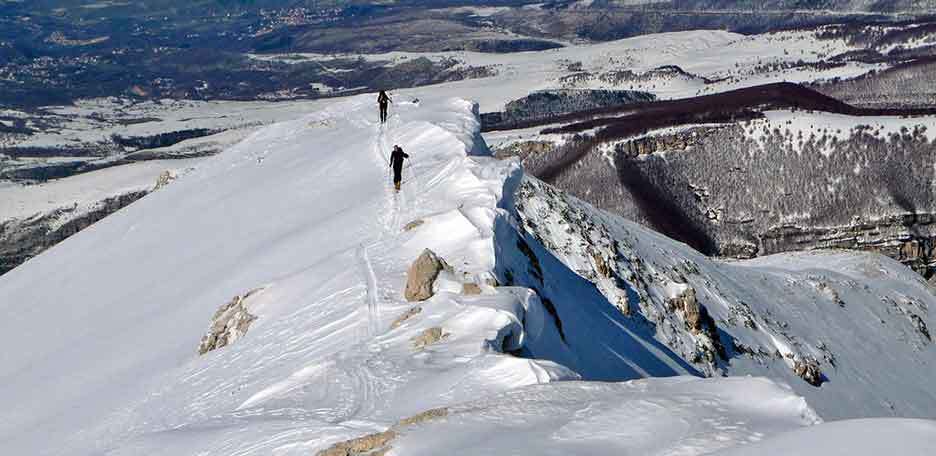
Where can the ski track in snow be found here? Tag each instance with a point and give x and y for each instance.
(373, 311)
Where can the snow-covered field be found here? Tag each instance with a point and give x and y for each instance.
(798, 127)
(727, 60)
(95, 121)
(22, 201)
(106, 325)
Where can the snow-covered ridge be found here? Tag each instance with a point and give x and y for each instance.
(300, 224)
(271, 213)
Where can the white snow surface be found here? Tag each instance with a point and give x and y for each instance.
(302, 210)
(101, 331)
(677, 415)
(865, 437)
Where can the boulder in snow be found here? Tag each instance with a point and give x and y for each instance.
(422, 274)
(413, 225)
(371, 444)
(164, 179)
(428, 337)
(698, 322)
(808, 370)
(406, 316)
(229, 323)
(471, 289)
(378, 444)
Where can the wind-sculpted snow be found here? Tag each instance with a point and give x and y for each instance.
(104, 328)
(681, 415)
(865, 437)
(303, 210)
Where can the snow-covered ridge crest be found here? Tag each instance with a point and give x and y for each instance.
(304, 211)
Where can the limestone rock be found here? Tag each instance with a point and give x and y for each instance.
(164, 179)
(378, 444)
(406, 316)
(808, 370)
(428, 337)
(371, 444)
(428, 415)
(700, 324)
(471, 289)
(413, 225)
(422, 274)
(601, 265)
(692, 310)
(230, 322)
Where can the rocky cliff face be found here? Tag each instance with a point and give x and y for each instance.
(790, 181)
(809, 319)
(22, 239)
(589, 248)
(547, 104)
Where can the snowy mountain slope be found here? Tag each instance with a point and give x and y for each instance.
(679, 415)
(301, 220)
(36, 217)
(857, 323)
(849, 438)
(22, 201)
(271, 213)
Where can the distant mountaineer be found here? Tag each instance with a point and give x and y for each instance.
(383, 100)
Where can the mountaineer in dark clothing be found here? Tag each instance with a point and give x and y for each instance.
(382, 100)
(396, 161)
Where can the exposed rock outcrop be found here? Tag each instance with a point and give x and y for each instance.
(525, 149)
(551, 103)
(422, 274)
(22, 239)
(651, 144)
(471, 289)
(230, 322)
(622, 277)
(378, 444)
(164, 179)
(909, 238)
(700, 323)
(428, 337)
(808, 369)
(413, 225)
(412, 312)
(371, 445)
